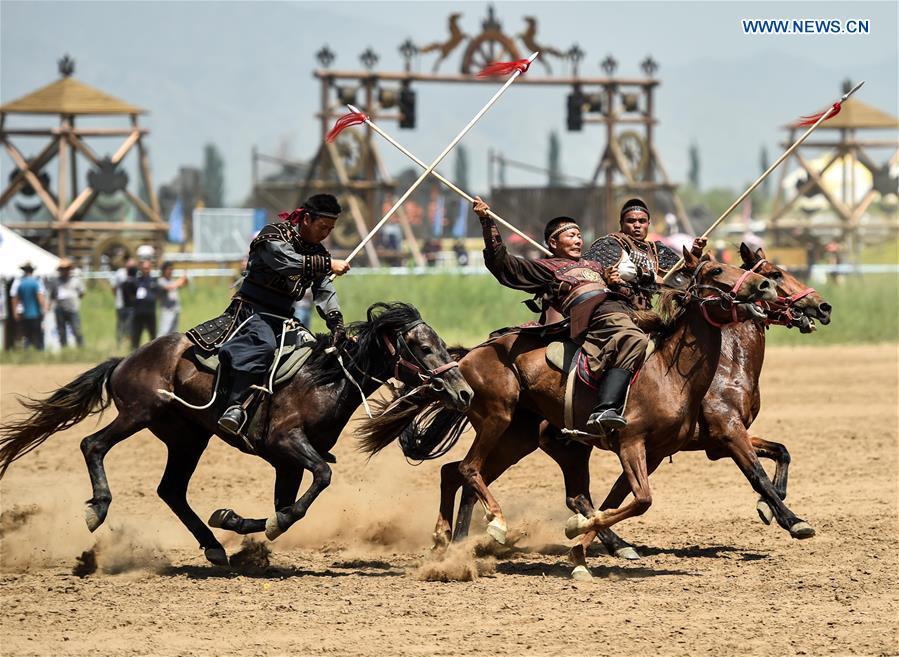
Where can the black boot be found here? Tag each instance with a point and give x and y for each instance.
(606, 416)
(235, 416)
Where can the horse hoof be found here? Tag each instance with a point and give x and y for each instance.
(628, 553)
(497, 531)
(216, 556)
(441, 540)
(220, 517)
(576, 525)
(765, 512)
(92, 518)
(272, 528)
(581, 574)
(802, 530)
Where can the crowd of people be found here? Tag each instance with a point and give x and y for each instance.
(36, 311)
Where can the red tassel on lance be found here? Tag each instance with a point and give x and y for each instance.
(812, 119)
(344, 122)
(497, 69)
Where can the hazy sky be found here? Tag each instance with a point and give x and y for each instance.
(240, 73)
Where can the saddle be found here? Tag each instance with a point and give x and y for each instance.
(298, 344)
(569, 358)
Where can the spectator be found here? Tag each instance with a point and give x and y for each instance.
(461, 253)
(170, 304)
(146, 294)
(123, 311)
(66, 291)
(29, 303)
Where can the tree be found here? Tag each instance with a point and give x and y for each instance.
(763, 163)
(213, 177)
(554, 157)
(461, 167)
(693, 173)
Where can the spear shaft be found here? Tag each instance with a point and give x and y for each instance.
(440, 157)
(824, 116)
(446, 182)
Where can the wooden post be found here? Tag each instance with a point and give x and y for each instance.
(145, 170)
(609, 223)
(61, 191)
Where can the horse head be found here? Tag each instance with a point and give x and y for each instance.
(417, 354)
(792, 294)
(725, 294)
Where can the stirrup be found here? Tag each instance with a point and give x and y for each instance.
(606, 421)
(232, 420)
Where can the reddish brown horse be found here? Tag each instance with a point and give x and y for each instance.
(515, 387)
(306, 416)
(728, 410)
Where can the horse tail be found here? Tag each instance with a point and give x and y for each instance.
(425, 429)
(433, 434)
(66, 407)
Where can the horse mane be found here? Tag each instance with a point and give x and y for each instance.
(323, 367)
(671, 307)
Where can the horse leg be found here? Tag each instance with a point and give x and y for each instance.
(184, 455)
(489, 434)
(450, 481)
(94, 448)
(520, 439)
(463, 517)
(781, 457)
(297, 448)
(287, 483)
(614, 544)
(739, 445)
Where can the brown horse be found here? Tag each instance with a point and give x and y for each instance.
(728, 410)
(306, 416)
(514, 387)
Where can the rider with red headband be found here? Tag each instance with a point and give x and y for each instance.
(285, 260)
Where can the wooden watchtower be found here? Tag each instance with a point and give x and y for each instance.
(840, 146)
(63, 220)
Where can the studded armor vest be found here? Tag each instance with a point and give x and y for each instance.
(267, 286)
(575, 281)
(650, 258)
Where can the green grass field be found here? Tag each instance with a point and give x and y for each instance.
(464, 309)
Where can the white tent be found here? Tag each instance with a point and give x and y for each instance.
(15, 250)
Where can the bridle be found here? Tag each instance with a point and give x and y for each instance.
(430, 378)
(727, 300)
(782, 306)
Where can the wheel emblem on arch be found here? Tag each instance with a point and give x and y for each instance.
(489, 46)
(635, 151)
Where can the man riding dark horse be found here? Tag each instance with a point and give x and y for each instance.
(285, 260)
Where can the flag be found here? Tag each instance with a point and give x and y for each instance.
(437, 217)
(460, 227)
(176, 223)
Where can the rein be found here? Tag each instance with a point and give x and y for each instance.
(782, 306)
(430, 377)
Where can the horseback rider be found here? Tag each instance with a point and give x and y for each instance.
(285, 260)
(633, 268)
(575, 288)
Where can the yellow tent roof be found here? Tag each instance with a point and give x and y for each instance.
(856, 114)
(69, 96)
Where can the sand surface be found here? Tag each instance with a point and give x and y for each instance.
(354, 577)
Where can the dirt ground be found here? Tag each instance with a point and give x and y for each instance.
(356, 576)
